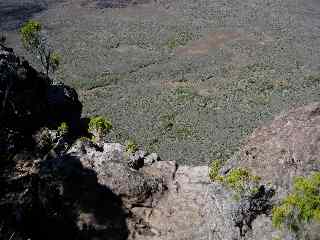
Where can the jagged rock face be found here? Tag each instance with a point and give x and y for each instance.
(63, 104)
(288, 147)
(29, 100)
(111, 166)
(22, 92)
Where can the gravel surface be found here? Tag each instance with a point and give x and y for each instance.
(188, 79)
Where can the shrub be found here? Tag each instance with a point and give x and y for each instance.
(30, 34)
(99, 123)
(180, 39)
(99, 127)
(131, 146)
(214, 170)
(239, 179)
(54, 61)
(84, 139)
(63, 129)
(301, 206)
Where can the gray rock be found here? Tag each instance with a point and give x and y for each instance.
(151, 158)
(283, 149)
(113, 171)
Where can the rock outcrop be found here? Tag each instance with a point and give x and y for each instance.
(289, 146)
(28, 98)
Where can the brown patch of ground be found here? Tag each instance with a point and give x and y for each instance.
(203, 46)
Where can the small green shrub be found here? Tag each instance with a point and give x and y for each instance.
(99, 127)
(181, 39)
(214, 170)
(30, 34)
(238, 179)
(131, 146)
(183, 132)
(184, 93)
(167, 121)
(301, 206)
(99, 124)
(54, 61)
(85, 139)
(63, 129)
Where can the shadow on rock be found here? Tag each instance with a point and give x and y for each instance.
(62, 200)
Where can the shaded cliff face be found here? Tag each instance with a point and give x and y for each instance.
(29, 99)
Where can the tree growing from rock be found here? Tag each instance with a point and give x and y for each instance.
(36, 42)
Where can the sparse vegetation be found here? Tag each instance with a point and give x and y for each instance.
(131, 146)
(84, 139)
(167, 121)
(301, 206)
(184, 93)
(312, 80)
(238, 179)
(182, 132)
(214, 170)
(63, 129)
(181, 39)
(35, 42)
(99, 127)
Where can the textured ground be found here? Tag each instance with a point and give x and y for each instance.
(189, 79)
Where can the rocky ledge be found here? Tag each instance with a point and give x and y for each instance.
(58, 185)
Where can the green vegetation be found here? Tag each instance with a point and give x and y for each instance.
(103, 80)
(312, 80)
(100, 124)
(181, 39)
(131, 146)
(184, 93)
(182, 132)
(214, 170)
(36, 43)
(99, 127)
(63, 129)
(238, 179)
(85, 139)
(30, 34)
(167, 121)
(301, 206)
